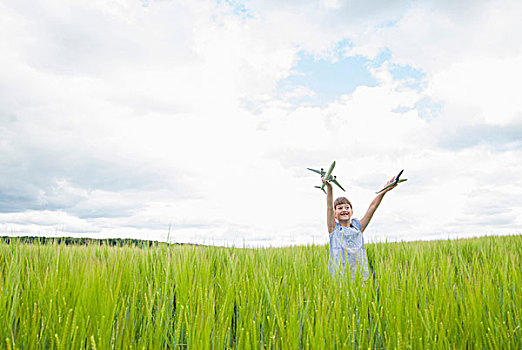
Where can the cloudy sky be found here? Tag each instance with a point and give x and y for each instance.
(195, 121)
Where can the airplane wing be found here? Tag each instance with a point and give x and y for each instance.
(392, 184)
(317, 171)
(321, 188)
(385, 188)
(335, 182)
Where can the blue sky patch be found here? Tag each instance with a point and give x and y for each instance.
(238, 7)
(426, 108)
(328, 78)
(413, 78)
(401, 72)
(384, 55)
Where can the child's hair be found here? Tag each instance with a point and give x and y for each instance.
(342, 200)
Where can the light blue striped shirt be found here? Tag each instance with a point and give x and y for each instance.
(347, 244)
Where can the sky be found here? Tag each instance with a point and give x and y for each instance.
(195, 121)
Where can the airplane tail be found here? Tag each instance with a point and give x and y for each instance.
(321, 188)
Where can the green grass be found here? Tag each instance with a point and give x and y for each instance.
(463, 294)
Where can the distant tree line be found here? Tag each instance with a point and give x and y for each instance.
(118, 242)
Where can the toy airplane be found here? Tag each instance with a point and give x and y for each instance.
(395, 182)
(326, 176)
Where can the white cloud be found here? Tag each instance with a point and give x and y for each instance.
(44, 223)
(468, 51)
(490, 85)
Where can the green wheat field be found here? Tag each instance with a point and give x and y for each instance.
(459, 294)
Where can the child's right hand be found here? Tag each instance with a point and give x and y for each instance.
(389, 183)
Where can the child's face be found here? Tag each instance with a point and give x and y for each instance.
(343, 212)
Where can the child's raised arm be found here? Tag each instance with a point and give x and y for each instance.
(330, 214)
(374, 205)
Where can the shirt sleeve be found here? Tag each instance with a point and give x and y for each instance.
(356, 223)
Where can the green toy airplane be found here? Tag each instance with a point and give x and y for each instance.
(395, 182)
(326, 176)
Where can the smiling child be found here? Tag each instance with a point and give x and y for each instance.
(346, 239)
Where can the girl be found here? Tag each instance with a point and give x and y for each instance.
(346, 240)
